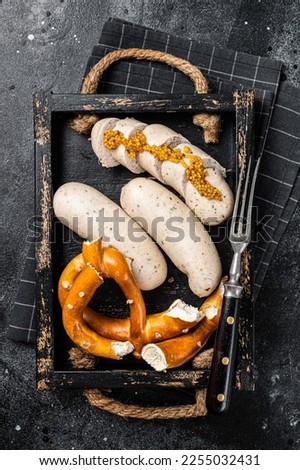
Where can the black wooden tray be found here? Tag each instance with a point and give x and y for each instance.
(61, 155)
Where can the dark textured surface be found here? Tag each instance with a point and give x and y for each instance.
(64, 33)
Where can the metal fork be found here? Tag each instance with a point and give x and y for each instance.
(223, 363)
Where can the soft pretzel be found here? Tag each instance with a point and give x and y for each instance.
(86, 273)
(111, 263)
(177, 351)
(159, 326)
(113, 328)
(77, 299)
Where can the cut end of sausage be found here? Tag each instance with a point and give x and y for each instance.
(104, 155)
(155, 357)
(177, 140)
(173, 175)
(150, 164)
(157, 134)
(208, 161)
(122, 348)
(188, 313)
(128, 127)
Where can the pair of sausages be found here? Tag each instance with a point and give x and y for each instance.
(161, 214)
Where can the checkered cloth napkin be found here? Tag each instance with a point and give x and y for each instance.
(277, 132)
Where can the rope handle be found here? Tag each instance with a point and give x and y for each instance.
(83, 123)
(99, 399)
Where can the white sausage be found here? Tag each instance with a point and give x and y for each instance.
(173, 174)
(83, 209)
(104, 155)
(209, 211)
(157, 134)
(177, 231)
(128, 127)
(207, 160)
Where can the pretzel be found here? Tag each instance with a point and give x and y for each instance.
(159, 326)
(77, 299)
(103, 262)
(112, 328)
(147, 336)
(175, 352)
(111, 263)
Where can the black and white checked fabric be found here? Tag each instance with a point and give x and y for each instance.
(22, 322)
(278, 184)
(277, 132)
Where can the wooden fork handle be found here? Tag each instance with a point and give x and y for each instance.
(223, 363)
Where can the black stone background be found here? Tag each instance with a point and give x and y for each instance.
(64, 33)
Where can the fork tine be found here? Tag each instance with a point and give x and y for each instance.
(236, 206)
(238, 216)
(244, 195)
(244, 155)
(252, 189)
(243, 200)
(246, 202)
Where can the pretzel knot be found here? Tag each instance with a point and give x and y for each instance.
(165, 340)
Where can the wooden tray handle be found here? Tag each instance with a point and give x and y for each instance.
(100, 399)
(210, 123)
